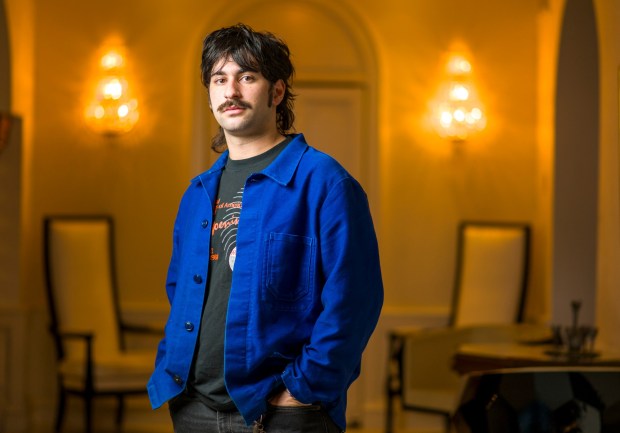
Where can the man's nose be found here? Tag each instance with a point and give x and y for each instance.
(232, 90)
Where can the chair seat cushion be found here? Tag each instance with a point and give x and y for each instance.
(125, 372)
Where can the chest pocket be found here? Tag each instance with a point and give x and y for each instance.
(289, 271)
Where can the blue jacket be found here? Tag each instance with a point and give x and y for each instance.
(306, 291)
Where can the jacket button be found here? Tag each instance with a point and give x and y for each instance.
(197, 278)
(177, 379)
(204, 224)
(189, 326)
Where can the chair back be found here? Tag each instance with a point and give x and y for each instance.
(81, 283)
(491, 275)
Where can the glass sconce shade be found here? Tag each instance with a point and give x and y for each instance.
(112, 111)
(457, 111)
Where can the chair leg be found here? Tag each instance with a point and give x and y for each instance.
(389, 414)
(61, 410)
(88, 413)
(120, 410)
(447, 423)
(393, 383)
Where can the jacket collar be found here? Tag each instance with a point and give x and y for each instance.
(281, 169)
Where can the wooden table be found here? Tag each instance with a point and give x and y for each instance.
(494, 356)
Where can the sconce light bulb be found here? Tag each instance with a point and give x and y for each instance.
(123, 110)
(459, 92)
(99, 112)
(112, 88)
(445, 119)
(459, 65)
(459, 115)
(112, 60)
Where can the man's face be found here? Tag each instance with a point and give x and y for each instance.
(243, 102)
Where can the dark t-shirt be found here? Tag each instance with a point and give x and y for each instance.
(207, 374)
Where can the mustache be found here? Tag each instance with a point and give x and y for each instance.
(233, 102)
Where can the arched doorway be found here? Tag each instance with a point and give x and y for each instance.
(335, 82)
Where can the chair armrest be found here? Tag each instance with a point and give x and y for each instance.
(142, 329)
(87, 337)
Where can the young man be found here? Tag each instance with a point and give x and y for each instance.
(274, 282)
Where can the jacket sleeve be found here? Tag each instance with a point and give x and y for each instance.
(352, 297)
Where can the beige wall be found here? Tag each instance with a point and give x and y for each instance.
(137, 178)
(428, 184)
(425, 183)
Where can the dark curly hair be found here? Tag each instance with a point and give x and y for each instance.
(255, 51)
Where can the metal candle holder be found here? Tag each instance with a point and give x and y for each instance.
(575, 340)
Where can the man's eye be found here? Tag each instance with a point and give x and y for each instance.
(218, 80)
(247, 78)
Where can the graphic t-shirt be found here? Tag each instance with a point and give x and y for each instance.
(207, 375)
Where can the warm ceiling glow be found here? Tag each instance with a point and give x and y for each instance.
(458, 113)
(113, 111)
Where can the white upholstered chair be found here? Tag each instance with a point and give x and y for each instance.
(491, 275)
(489, 294)
(85, 316)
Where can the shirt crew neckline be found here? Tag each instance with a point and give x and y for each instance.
(243, 164)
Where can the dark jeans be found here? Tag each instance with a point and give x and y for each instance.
(192, 416)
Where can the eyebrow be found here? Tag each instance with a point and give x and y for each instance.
(239, 71)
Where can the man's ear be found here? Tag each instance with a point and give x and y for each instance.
(278, 92)
(209, 99)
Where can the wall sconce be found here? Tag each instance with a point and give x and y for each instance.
(458, 113)
(113, 111)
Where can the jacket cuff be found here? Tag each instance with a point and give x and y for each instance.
(298, 387)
